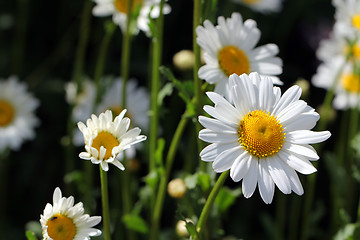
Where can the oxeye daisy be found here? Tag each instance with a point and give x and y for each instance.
(64, 220)
(263, 6)
(118, 9)
(229, 48)
(262, 137)
(347, 15)
(339, 74)
(106, 138)
(17, 114)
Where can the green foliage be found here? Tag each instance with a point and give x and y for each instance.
(226, 198)
(190, 226)
(350, 231)
(134, 222)
(30, 235)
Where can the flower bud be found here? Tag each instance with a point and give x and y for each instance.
(184, 60)
(176, 188)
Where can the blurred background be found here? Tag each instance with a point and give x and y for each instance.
(38, 42)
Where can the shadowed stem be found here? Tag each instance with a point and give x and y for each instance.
(105, 204)
(200, 227)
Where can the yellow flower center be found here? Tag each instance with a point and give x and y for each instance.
(250, 2)
(232, 60)
(122, 5)
(107, 140)
(351, 83)
(61, 227)
(356, 21)
(261, 134)
(7, 113)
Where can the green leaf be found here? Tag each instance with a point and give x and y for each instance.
(159, 152)
(191, 181)
(166, 90)
(348, 232)
(152, 179)
(136, 223)
(226, 198)
(204, 181)
(30, 235)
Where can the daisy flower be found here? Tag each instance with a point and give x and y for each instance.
(118, 10)
(64, 220)
(106, 138)
(17, 117)
(339, 74)
(347, 15)
(229, 48)
(262, 137)
(263, 6)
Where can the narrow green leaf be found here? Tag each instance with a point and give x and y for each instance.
(136, 223)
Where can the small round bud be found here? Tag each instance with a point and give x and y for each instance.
(304, 85)
(184, 60)
(176, 188)
(181, 229)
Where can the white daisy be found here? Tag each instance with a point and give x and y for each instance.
(262, 137)
(339, 74)
(229, 48)
(105, 139)
(263, 6)
(118, 10)
(64, 220)
(17, 114)
(347, 15)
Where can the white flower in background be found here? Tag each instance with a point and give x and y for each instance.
(347, 16)
(17, 114)
(106, 138)
(64, 220)
(262, 137)
(118, 10)
(137, 104)
(339, 74)
(263, 6)
(229, 48)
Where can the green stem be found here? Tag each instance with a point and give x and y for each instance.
(197, 81)
(105, 203)
(164, 179)
(157, 42)
(200, 227)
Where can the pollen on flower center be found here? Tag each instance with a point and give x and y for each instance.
(107, 140)
(122, 5)
(261, 134)
(351, 83)
(7, 113)
(60, 227)
(232, 60)
(356, 21)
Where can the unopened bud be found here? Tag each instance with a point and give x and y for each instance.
(184, 60)
(176, 188)
(181, 229)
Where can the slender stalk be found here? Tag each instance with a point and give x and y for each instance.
(197, 81)
(200, 227)
(105, 204)
(157, 42)
(165, 178)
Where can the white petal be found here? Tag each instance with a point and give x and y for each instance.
(118, 165)
(104, 166)
(278, 174)
(241, 166)
(291, 111)
(214, 113)
(85, 155)
(265, 182)
(307, 137)
(305, 121)
(225, 159)
(210, 152)
(264, 51)
(215, 125)
(291, 95)
(302, 150)
(250, 180)
(214, 137)
(299, 163)
(294, 179)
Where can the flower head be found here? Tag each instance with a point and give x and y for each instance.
(262, 137)
(106, 138)
(263, 6)
(64, 220)
(229, 48)
(17, 117)
(118, 9)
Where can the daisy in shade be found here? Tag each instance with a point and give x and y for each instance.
(347, 15)
(118, 9)
(263, 6)
(64, 220)
(339, 74)
(229, 48)
(106, 138)
(17, 114)
(262, 137)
